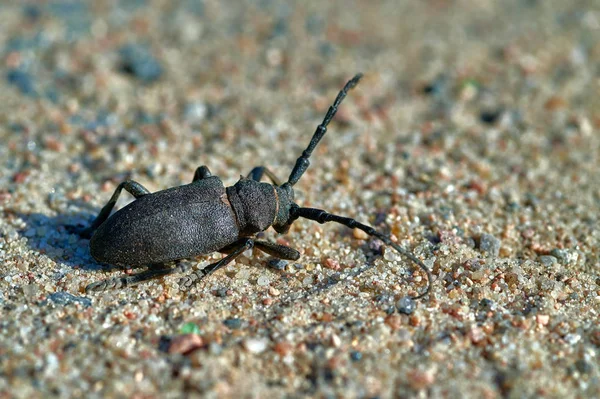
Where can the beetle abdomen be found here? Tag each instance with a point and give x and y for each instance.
(177, 223)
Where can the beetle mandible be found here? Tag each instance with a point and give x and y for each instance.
(204, 217)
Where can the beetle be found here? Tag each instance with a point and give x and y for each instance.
(204, 217)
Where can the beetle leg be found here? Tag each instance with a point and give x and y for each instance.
(125, 281)
(258, 172)
(201, 173)
(185, 283)
(132, 187)
(277, 250)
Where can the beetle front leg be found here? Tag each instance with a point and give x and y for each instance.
(132, 187)
(185, 283)
(258, 172)
(202, 172)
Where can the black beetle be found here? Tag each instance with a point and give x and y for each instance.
(204, 216)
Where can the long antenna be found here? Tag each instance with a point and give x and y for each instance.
(302, 162)
(321, 216)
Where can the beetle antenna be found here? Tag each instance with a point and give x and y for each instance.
(321, 216)
(302, 162)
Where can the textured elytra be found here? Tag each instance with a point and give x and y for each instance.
(172, 224)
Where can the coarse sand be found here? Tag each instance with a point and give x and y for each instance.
(472, 140)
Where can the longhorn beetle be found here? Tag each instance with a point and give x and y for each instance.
(204, 216)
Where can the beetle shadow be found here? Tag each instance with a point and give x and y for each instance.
(53, 236)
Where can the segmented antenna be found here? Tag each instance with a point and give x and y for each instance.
(321, 216)
(302, 162)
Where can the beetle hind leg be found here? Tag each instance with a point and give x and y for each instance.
(132, 187)
(126, 281)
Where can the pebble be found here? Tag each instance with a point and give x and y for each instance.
(263, 280)
(406, 305)
(185, 344)
(233, 323)
(277, 264)
(64, 298)
(490, 244)
(190, 328)
(256, 345)
(137, 61)
(22, 81)
(283, 348)
(548, 260)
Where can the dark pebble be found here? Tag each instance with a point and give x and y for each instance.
(138, 62)
(221, 292)
(583, 366)
(487, 304)
(490, 117)
(277, 264)
(560, 254)
(64, 298)
(22, 81)
(490, 244)
(233, 323)
(406, 305)
(164, 343)
(356, 356)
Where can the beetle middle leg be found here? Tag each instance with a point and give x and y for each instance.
(258, 172)
(188, 281)
(132, 187)
(271, 248)
(277, 250)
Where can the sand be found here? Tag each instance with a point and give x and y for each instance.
(472, 139)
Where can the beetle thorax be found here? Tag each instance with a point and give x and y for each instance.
(255, 205)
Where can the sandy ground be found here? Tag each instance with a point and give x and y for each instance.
(472, 139)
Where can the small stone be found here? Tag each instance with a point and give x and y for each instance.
(548, 260)
(419, 379)
(274, 291)
(283, 348)
(583, 366)
(394, 322)
(185, 344)
(277, 264)
(190, 328)
(332, 264)
(139, 62)
(256, 345)
(476, 334)
(561, 254)
(490, 244)
(359, 234)
(406, 305)
(263, 280)
(233, 323)
(572, 339)
(336, 341)
(267, 301)
(215, 349)
(356, 356)
(542, 319)
(64, 298)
